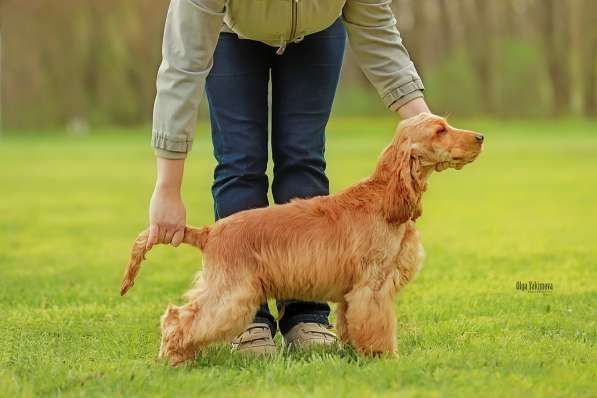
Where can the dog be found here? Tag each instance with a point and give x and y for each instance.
(357, 248)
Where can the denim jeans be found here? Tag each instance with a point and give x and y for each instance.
(303, 80)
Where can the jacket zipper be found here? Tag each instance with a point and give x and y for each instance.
(294, 11)
(293, 17)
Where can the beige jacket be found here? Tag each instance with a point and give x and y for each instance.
(193, 27)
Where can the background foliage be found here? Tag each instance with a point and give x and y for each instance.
(94, 62)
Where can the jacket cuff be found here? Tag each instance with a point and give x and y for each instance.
(405, 100)
(162, 153)
(168, 148)
(398, 94)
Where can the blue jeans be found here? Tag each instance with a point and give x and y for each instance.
(303, 81)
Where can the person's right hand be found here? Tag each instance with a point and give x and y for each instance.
(167, 217)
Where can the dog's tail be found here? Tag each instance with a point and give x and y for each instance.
(193, 236)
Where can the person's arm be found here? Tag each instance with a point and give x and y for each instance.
(413, 108)
(190, 38)
(378, 48)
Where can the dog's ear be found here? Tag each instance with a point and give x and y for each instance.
(402, 197)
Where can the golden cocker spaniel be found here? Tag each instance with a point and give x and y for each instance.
(357, 248)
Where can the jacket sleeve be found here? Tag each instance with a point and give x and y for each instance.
(378, 48)
(190, 38)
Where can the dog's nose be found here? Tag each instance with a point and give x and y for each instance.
(479, 137)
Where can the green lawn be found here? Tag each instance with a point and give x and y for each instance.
(525, 211)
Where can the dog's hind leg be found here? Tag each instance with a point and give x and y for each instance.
(341, 325)
(214, 314)
(371, 321)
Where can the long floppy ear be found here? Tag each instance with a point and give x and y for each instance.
(402, 197)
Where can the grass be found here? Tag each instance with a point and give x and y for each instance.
(525, 211)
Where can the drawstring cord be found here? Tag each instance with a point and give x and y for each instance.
(284, 44)
(282, 47)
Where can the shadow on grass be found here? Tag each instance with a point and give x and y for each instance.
(221, 356)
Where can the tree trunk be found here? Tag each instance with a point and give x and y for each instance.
(479, 31)
(556, 35)
(418, 42)
(588, 61)
(590, 84)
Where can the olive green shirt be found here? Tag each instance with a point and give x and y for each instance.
(193, 27)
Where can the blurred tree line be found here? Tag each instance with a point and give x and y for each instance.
(95, 61)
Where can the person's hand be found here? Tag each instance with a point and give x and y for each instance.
(167, 218)
(167, 215)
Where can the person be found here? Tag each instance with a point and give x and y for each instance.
(233, 49)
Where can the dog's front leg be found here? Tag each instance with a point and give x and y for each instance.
(371, 321)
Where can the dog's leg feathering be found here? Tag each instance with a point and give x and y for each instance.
(219, 310)
(341, 325)
(371, 322)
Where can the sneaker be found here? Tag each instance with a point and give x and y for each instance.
(305, 335)
(255, 340)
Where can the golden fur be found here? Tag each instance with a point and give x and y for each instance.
(357, 248)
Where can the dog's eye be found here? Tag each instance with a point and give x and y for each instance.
(441, 130)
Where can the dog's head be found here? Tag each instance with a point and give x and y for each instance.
(422, 144)
(436, 144)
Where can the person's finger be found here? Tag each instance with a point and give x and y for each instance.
(152, 239)
(168, 236)
(178, 237)
(162, 235)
